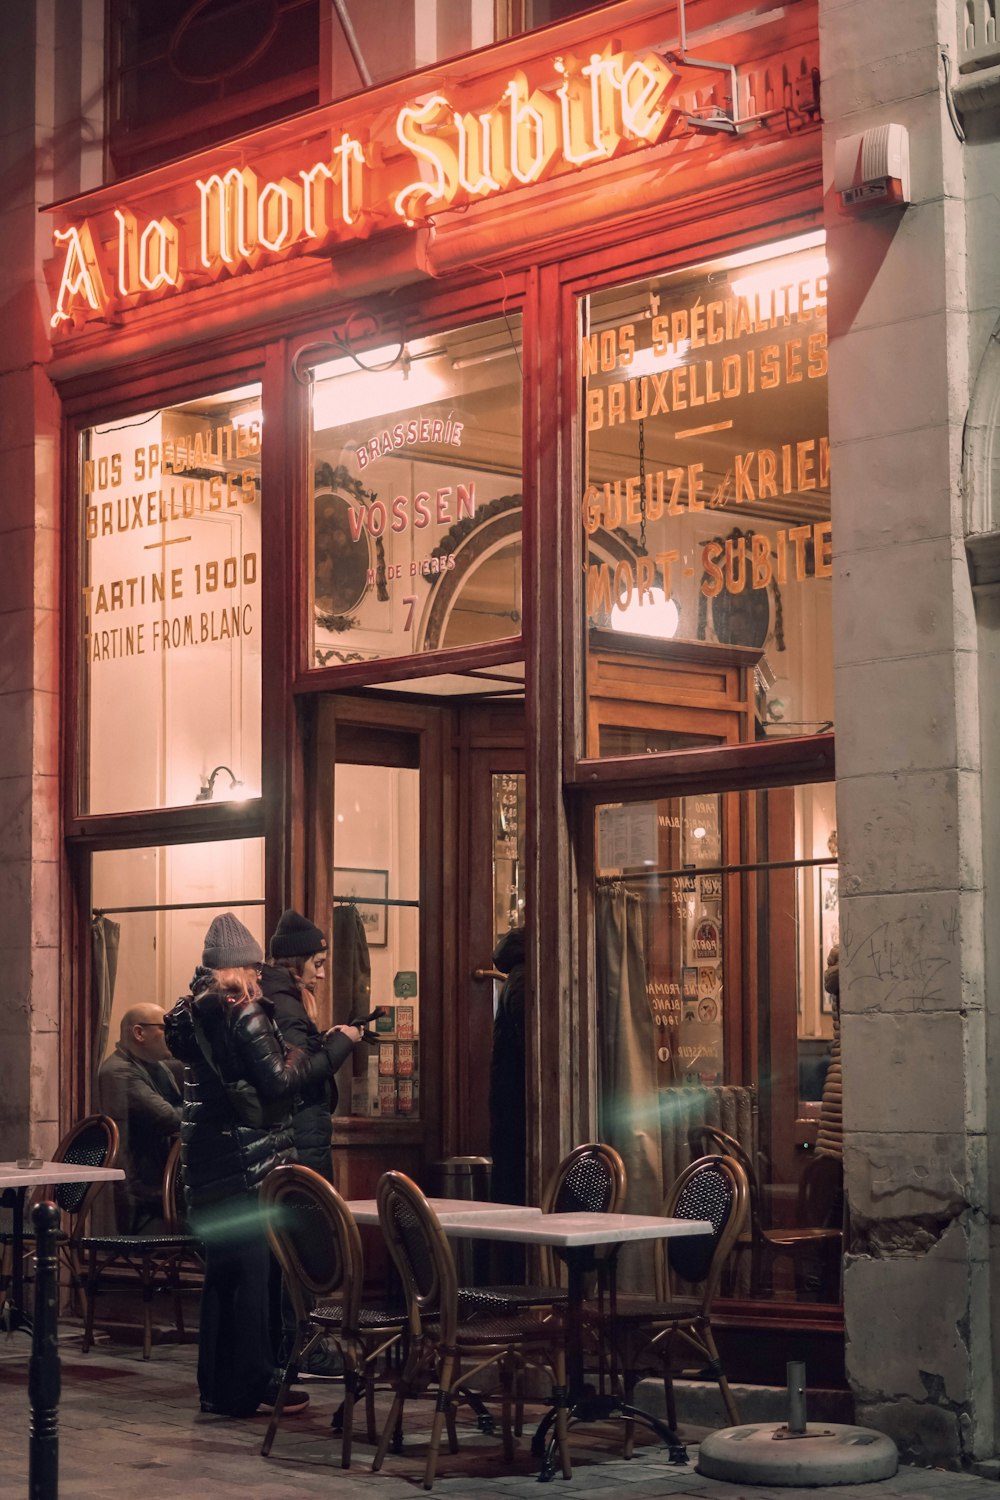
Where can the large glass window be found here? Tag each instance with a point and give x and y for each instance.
(717, 956)
(424, 32)
(152, 908)
(169, 605)
(416, 464)
(705, 505)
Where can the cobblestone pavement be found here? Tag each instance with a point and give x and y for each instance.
(126, 1425)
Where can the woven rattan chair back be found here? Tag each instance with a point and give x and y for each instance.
(713, 1188)
(92, 1142)
(314, 1238)
(591, 1179)
(421, 1254)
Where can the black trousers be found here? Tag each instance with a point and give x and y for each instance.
(235, 1350)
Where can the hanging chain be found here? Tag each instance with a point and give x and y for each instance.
(642, 485)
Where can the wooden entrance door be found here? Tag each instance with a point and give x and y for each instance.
(420, 806)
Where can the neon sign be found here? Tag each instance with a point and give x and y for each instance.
(432, 158)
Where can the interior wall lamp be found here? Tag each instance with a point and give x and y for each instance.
(207, 792)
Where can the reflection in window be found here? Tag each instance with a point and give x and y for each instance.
(424, 32)
(154, 951)
(417, 496)
(376, 922)
(169, 605)
(715, 917)
(509, 821)
(706, 499)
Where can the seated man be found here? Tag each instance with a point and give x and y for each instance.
(139, 1091)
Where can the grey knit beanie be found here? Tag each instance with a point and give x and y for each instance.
(228, 945)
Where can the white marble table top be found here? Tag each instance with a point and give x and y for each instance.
(365, 1210)
(571, 1231)
(11, 1175)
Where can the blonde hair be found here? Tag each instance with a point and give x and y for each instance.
(241, 982)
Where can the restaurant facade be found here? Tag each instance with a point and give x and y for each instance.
(474, 478)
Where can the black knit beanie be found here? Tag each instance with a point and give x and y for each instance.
(296, 937)
(229, 945)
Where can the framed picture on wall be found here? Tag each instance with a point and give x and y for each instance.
(369, 891)
(829, 926)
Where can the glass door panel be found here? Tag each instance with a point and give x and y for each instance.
(376, 932)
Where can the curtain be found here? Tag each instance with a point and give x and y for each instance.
(104, 938)
(630, 1116)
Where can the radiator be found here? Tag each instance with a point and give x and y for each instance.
(652, 1172)
(731, 1107)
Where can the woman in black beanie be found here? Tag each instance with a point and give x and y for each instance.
(240, 1081)
(297, 962)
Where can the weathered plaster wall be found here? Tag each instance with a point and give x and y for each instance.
(978, 103)
(49, 50)
(916, 1286)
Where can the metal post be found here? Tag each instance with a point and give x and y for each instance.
(43, 1371)
(796, 1372)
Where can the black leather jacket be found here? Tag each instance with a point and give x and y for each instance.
(223, 1158)
(317, 1099)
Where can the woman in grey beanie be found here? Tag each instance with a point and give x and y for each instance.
(240, 1084)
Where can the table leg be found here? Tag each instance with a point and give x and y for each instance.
(587, 1405)
(17, 1317)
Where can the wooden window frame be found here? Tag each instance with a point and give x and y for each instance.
(423, 312)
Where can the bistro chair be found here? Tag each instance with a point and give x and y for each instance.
(591, 1179)
(316, 1242)
(814, 1245)
(444, 1348)
(93, 1142)
(672, 1330)
(156, 1259)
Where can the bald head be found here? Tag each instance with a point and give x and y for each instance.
(142, 1032)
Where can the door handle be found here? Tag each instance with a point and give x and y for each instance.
(481, 974)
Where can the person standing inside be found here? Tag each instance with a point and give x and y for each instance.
(296, 965)
(137, 1088)
(508, 1129)
(239, 1086)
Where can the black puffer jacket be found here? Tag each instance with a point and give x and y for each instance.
(223, 1158)
(317, 1098)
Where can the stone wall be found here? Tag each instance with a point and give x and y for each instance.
(47, 141)
(909, 806)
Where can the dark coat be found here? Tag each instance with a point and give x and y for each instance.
(317, 1098)
(223, 1158)
(350, 964)
(145, 1103)
(508, 1131)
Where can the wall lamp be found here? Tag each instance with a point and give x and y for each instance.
(207, 792)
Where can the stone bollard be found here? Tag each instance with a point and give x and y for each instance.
(43, 1371)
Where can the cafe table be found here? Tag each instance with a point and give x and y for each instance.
(578, 1236)
(18, 1180)
(365, 1210)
